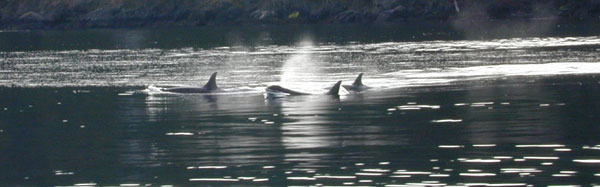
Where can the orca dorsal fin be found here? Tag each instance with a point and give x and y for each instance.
(212, 82)
(358, 81)
(335, 90)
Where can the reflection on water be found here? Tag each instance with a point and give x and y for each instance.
(307, 128)
(513, 132)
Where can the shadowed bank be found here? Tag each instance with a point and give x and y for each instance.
(36, 14)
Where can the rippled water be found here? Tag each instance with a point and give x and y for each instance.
(394, 64)
(491, 112)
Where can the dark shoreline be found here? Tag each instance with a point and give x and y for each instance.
(81, 14)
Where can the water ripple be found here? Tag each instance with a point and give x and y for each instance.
(311, 67)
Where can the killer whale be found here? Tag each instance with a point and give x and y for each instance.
(357, 86)
(209, 87)
(334, 90)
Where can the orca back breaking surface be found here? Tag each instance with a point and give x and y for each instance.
(279, 89)
(358, 80)
(209, 87)
(335, 90)
(276, 89)
(357, 86)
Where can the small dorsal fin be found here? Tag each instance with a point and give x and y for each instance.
(335, 90)
(358, 81)
(212, 82)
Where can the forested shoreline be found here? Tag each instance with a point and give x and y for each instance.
(69, 14)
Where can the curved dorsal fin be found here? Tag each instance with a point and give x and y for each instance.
(212, 82)
(358, 81)
(335, 89)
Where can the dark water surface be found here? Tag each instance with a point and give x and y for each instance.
(512, 111)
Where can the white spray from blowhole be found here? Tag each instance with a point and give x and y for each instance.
(302, 70)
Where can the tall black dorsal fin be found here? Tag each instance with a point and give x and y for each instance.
(335, 90)
(358, 81)
(212, 82)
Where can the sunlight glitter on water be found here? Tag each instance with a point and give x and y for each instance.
(540, 146)
(587, 161)
(309, 66)
(447, 121)
(478, 160)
